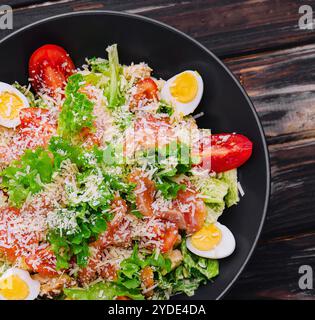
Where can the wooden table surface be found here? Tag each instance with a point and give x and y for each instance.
(260, 41)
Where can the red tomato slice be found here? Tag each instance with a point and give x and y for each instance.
(36, 127)
(146, 89)
(34, 117)
(42, 262)
(225, 152)
(49, 68)
(10, 242)
(8, 246)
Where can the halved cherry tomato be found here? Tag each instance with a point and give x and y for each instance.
(49, 68)
(10, 242)
(43, 261)
(8, 247)
(36, 127)
(145, 189)
(34, 117)
(146, 89)
(225, 152)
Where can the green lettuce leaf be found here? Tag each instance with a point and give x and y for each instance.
(169, 188)
(101, 291)
(27, 175)
(130, 268)
(230, 178)
(77, 109)
(188, 276)
(63, 149)
(99, 65)
(214, 191)
(113, 93)
(194, 264)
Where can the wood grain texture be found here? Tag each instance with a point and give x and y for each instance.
(228, 27)
(281, 85)
(273, 270)
(275, 62)
(21, 3)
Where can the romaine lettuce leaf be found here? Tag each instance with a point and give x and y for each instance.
(209, 268)
(101, 291)
(113, 92)
(230, 178)
(187, 277)
(214, 191)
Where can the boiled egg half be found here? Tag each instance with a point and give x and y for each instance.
(11, 102)
(183, 91)
(213, 241)
(17, 284)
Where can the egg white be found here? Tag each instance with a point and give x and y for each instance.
(184, 108)
(224, 248)
(33, 285)
(4, 87)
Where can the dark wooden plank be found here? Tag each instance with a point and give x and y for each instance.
(288, 238)
(281, 85)
(20, 3)
(273, 271)
(227, 27)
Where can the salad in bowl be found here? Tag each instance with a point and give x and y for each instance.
(108, 188)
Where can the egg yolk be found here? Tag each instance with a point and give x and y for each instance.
(10, 105)
(14, 288)
(185, 87)
(207, 238)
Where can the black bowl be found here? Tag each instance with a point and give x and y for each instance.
(168, 51)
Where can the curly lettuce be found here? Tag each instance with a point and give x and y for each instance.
(27, 175)
(188, 276)
(77, 109)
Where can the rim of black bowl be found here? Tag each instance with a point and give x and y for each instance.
(213, 56)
